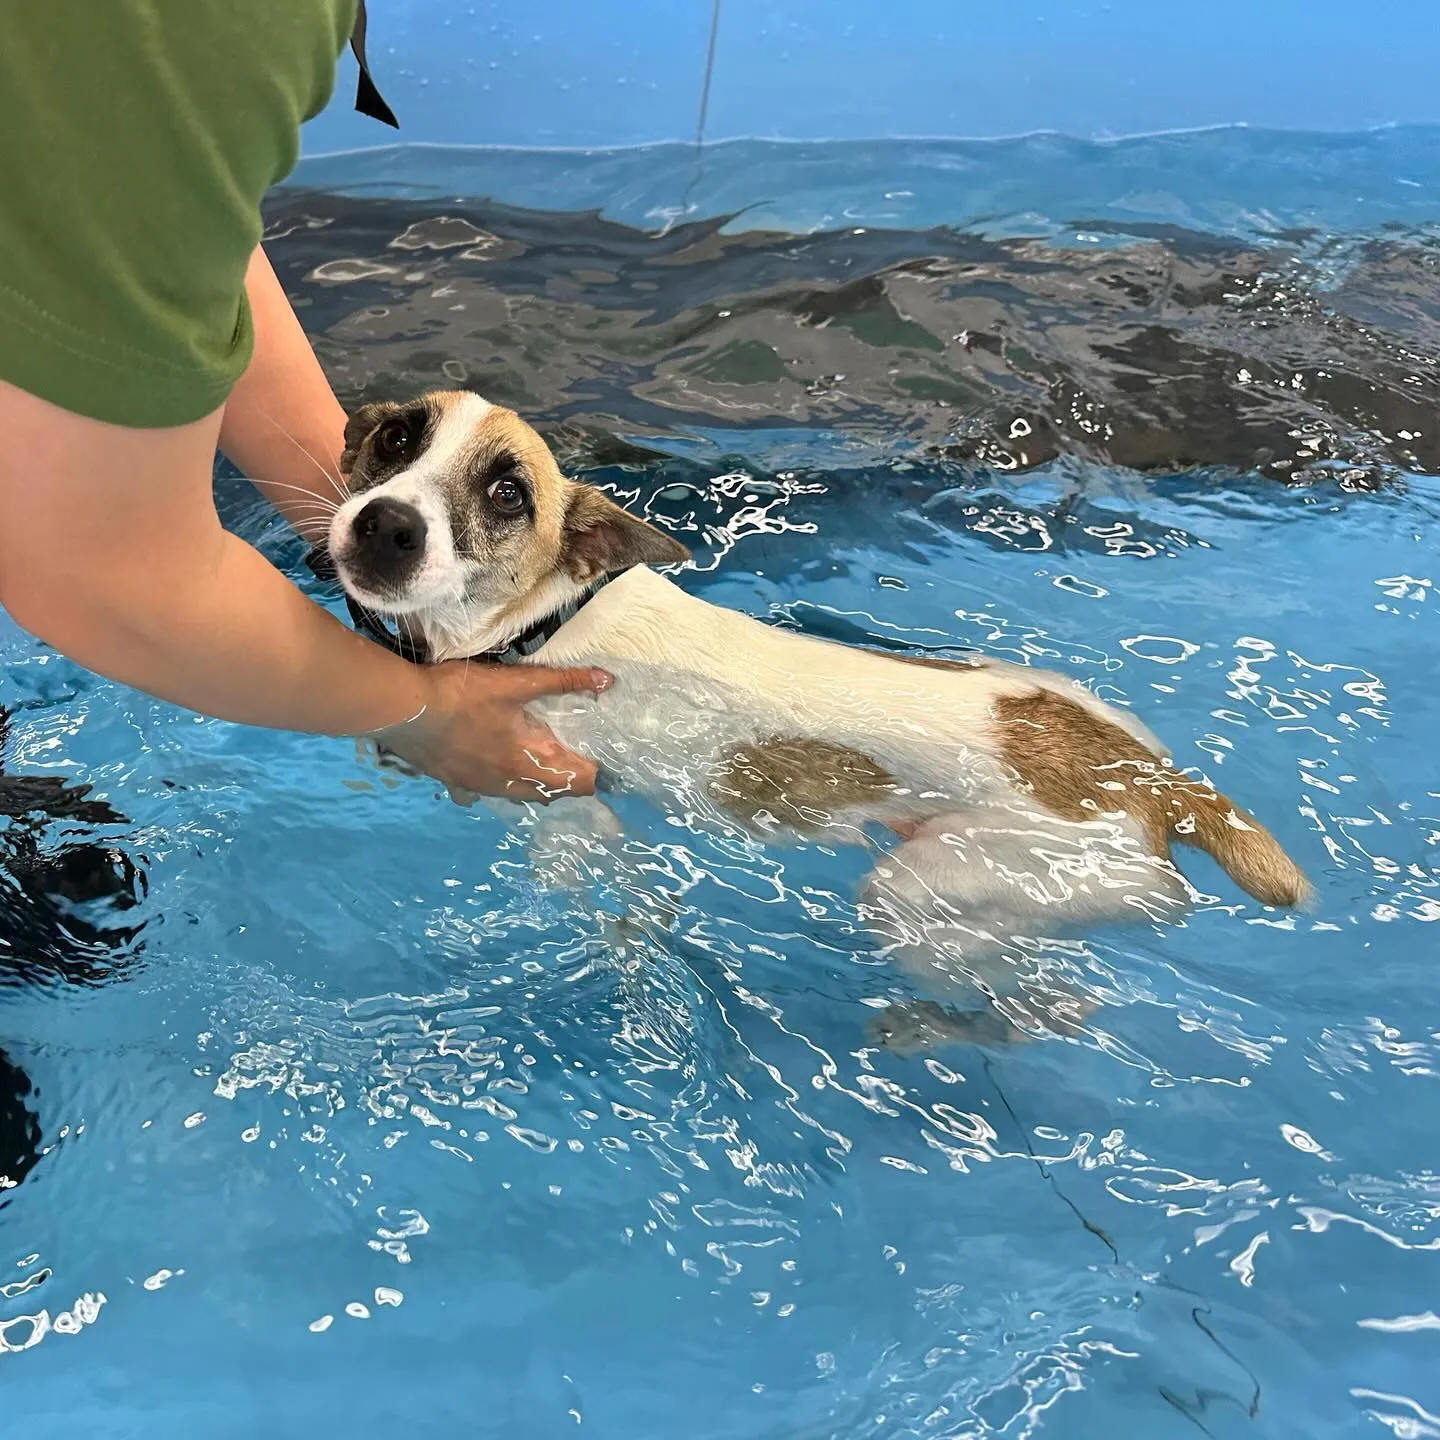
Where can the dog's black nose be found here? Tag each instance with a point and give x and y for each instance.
(390, 530)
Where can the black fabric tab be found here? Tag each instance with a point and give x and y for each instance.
(368, 100)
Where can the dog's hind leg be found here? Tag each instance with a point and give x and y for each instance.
(914, 1027)
(948, 905)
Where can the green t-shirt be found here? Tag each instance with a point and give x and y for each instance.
(137, 138)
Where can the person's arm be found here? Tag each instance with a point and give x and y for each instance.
(283, 426)
(126, 232)
(112, 552)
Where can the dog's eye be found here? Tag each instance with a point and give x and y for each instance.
(392, 440)
(507, 495)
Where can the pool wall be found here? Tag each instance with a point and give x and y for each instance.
(596, 73)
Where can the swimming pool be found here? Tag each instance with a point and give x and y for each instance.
(350, 1126)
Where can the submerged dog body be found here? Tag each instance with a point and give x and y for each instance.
(1021, 801)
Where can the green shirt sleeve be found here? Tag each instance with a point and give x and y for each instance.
(137, 138)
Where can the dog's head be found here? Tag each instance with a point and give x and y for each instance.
(460, 524)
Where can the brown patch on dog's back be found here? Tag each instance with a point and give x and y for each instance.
(1079, 766)
(929, 662)
(801, 782)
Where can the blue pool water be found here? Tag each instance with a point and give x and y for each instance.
(365, 1134)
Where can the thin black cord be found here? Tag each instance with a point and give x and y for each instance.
(1197, 1312)
(704, 111)
(709, 74)
(1044, 1169)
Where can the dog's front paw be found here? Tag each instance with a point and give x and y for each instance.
(569, 843)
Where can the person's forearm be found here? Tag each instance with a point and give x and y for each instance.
(111, 550)
(283, 426)
(113, 553)
(218, 629)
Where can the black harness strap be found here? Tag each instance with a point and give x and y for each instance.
(368, 100)
(367, 622)
(517, 648)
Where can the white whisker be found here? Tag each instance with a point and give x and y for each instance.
(322, 502)
(335, 480)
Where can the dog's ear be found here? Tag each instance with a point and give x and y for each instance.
(359, 427)
(602, 539)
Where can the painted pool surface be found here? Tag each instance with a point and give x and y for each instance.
(350, 1127)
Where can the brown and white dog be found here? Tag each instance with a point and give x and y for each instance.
(1022, 802)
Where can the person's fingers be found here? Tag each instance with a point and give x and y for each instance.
(552, 763)
(531, 681)
(551, 771)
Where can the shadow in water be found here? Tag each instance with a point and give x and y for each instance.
(63, 893)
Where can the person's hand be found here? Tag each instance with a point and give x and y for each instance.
(474, 736)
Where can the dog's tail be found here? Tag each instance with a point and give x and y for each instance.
(1248, 853)
(1074, 758)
